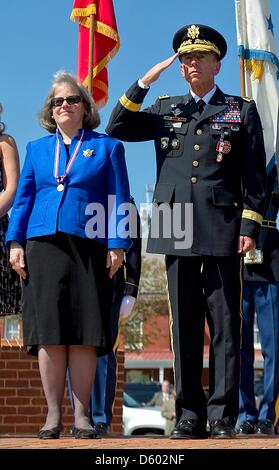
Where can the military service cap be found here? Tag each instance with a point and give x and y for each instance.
(198, 37)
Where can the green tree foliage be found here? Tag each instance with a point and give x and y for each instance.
(152, 301)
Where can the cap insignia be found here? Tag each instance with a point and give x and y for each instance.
(193, 31)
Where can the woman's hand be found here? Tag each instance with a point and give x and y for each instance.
(115, 259)
(17, 259)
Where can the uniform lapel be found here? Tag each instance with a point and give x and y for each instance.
(216, 105)
(189, 106)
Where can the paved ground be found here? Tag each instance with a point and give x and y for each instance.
(131, 452)
(138, 442)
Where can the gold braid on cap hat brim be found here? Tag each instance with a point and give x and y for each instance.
(198, 45)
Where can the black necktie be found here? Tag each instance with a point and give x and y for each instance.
(200, 105)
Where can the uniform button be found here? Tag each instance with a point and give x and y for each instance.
(195, 163)
(194, 180)
(197, 147)
(235, 204)
(171, 129)
(199, 132)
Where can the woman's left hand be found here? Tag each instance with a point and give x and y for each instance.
(115, 259)
(17, 259)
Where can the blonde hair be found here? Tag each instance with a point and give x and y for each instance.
(91, 118)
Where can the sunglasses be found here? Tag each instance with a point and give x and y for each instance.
(74, 99)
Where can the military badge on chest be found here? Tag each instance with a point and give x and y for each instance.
(173, 121)
(223, 147)
(230, 114)
(224, 120)
(164, 142)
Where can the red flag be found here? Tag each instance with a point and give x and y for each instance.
(106, 43)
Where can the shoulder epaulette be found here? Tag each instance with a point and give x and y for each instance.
(163, 97)
(246, 98)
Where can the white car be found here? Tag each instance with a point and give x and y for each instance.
(139, 419)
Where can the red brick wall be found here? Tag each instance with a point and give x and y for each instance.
(157, 330)
(116, 425)
(22, 403)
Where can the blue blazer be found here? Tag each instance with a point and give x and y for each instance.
(83, 206)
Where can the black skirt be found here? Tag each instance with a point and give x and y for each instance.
(67, 294)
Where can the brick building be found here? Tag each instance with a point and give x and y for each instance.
(22, 403)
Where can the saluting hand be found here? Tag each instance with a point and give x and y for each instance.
(115, 259)
(17, 259)
(245, 244)
(153, 74)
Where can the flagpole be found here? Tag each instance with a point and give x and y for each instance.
(242, 77)
(91, 53)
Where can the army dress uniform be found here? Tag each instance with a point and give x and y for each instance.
(261, 294)
(216, 162)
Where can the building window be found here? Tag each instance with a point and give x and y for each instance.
(12, 327)
(134, 339)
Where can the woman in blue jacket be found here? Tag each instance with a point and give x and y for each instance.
(67, 239)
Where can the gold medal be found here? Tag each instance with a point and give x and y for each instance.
(60, 178)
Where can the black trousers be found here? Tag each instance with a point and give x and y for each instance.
(205, 286)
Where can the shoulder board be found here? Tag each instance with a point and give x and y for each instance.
(163, 97)
(245, 98)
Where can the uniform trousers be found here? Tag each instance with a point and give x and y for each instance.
(103, 392)
(211, 286)
(262, 297)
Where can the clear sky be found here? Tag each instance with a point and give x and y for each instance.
(38, 38)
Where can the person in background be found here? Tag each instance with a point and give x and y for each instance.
(261, 295)
(125, 291)
(159, 397)
(66, 247)
(168, 412)
(211, 181)
(10, 291)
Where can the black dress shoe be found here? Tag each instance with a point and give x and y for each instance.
(247, 427)
(80, 433)
(188, 429)
(265, 427)
(222, 429)
(101, 428)
(53, 433)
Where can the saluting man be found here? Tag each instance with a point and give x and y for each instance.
(210, 157)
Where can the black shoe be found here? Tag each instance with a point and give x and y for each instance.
(222, 429)
(101, 428)
(80, 433)
(265, 427)
(53, 433)
(188, 429)
(247, 427)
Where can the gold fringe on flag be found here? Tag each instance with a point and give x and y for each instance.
(255, 68)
